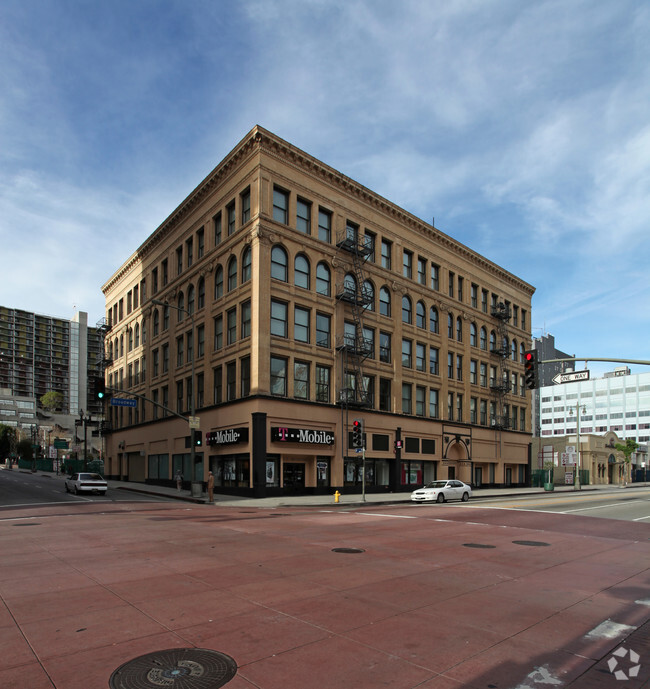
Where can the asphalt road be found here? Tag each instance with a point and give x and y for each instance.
(628, 505)
(18, 488)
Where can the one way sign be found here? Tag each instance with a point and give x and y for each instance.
(571, 376)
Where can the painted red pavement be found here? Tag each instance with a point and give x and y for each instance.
(85, 589)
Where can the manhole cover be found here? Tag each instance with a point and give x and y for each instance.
(177, 668)
(348, 550)
(532, 543)
(478, 545)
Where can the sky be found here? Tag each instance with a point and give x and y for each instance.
(523, 128)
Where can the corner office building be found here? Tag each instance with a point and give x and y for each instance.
(297, 300)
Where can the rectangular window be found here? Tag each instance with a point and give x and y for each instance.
(179, 260)
(179, 351)
(217, 228)
(484, 300)
(303, 216)
(386, 251)
(452, 280)
(433, 403)
(324, 226)
(231, 217)
(200, 242)
(280, 205)
(473, 372)
(450, 365)
(370, 243)
(384, 347)
(165, 358)
(179, 397)
(301, 318)
(218, 332)
(384, 394)
(474, 296)
(434, 361)
(154, 280)
(459, 407)
(407, 264)
(422, 270)
(435, 277)
(301, 380)
(129, 307)
(156, 361)
(368, 344)
(460, 284)
(483, 375)
(459, 367)
(420, 357)
(322, 383)
(420, 400)
(190, 346)
(472, 410)
(245, 206)
(483, 413)
(232, 326)
(200, 392)
(279, 324)
(245, 376)
(200, 341)
(245, 319)
(407, 353)
(407, 398)
(278, 376)
(217, 386)
(231, 381)
(450, 406)
(165, 272)
(322, 330)
(189, 251)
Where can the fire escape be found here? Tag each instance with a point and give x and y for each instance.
(352, 344)
(104, 360)
(500, 385)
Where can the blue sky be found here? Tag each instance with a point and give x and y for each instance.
(522, 127)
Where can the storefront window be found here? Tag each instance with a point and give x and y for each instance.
(322, 471)
(232, 471)
(411, 473)
(272, 471)
(377, 472)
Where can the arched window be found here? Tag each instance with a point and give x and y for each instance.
(121, 345)
(110, 350)
(117, 348)
(407, 310)
(420, 315)
(279, 263)
(384, 301)
(218, 283)
(472, 335)
(130, 332)
(459, 329)
(232, 274)
(483, 339)
(434, 326)
(450, 326)
(201, 294)
(493, 341)
(369, 295)
(246, 264)
(350, 285)
(301, 276)
(144, 331)
(323, 279)
(181, 307)
(190, 298)
(522, 351)
(137, 334)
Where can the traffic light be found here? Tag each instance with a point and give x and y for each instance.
(100, 388)
(357, 433)
(531, 369)
(198, 438)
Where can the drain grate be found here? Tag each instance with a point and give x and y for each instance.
(177, 668)
(478, 545)
(531, 543)
(348, 550)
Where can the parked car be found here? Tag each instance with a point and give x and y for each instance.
(441, 491)
(86, 483)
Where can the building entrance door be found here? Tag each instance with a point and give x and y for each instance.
(478, 477)
(293, 476)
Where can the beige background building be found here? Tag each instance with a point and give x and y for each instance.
(299, 300)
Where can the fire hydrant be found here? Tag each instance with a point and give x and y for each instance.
(337, 495)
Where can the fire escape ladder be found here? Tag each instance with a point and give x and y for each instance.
(501, 385)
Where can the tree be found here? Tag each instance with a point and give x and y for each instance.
(52, 401)
(7, 434)
(628, 450)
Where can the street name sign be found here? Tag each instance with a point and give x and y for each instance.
(121, 402)
(571, 376)
(195, 422)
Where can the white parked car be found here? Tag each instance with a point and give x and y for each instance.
(86, 483)
(441, 491)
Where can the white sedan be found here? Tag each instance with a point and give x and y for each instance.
(86, 483)
(441, 491)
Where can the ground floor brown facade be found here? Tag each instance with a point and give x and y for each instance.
(265, 446)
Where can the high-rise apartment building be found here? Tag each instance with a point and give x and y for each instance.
(283, 300)
(40, 354)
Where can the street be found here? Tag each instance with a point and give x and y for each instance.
(457, 595)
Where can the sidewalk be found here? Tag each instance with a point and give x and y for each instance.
(345, 499)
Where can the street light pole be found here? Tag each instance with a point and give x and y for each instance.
(192, 398)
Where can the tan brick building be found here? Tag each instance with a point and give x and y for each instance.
(303, 300)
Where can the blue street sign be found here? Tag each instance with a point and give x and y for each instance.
(121, 402)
